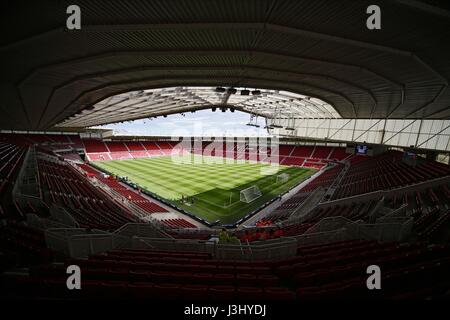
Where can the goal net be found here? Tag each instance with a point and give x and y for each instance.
(282, 177)
(250, 194)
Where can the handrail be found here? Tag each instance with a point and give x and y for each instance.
(387, 193)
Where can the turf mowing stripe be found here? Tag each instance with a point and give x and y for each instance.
(210, 184)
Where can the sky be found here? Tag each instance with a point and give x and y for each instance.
(200, 123)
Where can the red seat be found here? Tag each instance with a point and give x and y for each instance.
(194, 292)
(223, 278)
(222, 292)
(278, 293)
(141, 290)
(167, 291)
(181, 277)
(249, 293)
(90, 289)
(139, 276)
(246, 280)
(114, 289)
(204, 278)
(267, 280)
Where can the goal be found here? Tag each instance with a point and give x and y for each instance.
(250, 194)
(283, 177)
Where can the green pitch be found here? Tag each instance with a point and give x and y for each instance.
(208, 190)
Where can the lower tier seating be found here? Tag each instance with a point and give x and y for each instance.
(333, 270)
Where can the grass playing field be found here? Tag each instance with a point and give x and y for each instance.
(212, 190)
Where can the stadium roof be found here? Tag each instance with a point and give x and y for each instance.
(155, 102)
(315, 48)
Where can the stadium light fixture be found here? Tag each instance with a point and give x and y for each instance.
(232, 90)
(256, 92)
(245, 92)
(220, 89)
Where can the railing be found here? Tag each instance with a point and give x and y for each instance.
(375, 211)
(329, 224)
(321, 237)
(57, 239)
(141, 230)
(398, 230)
(27, 186)
(199, 246)
(307, 206)
(61, 215)
(276, 249)
(39, 223)
(387, 194)
(394, 231)
(397, 213)
(333, 186)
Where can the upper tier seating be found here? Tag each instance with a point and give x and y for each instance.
(76, 141)
(135, 146)
(116, 146)
(63, 139)
(308, 156)
(321, 153)
(50, 140)
(302, 151)
(338, 154)
(93, 145)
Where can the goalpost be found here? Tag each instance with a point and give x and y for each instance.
(250, 194)
(284, 177)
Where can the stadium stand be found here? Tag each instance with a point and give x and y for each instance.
(136, 198)
(358, 119)
(152, 274)
(92, 208)
(11, 157)
(133, 272)
(385, 172)
(94, 146)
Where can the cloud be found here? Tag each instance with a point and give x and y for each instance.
(203, 122)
